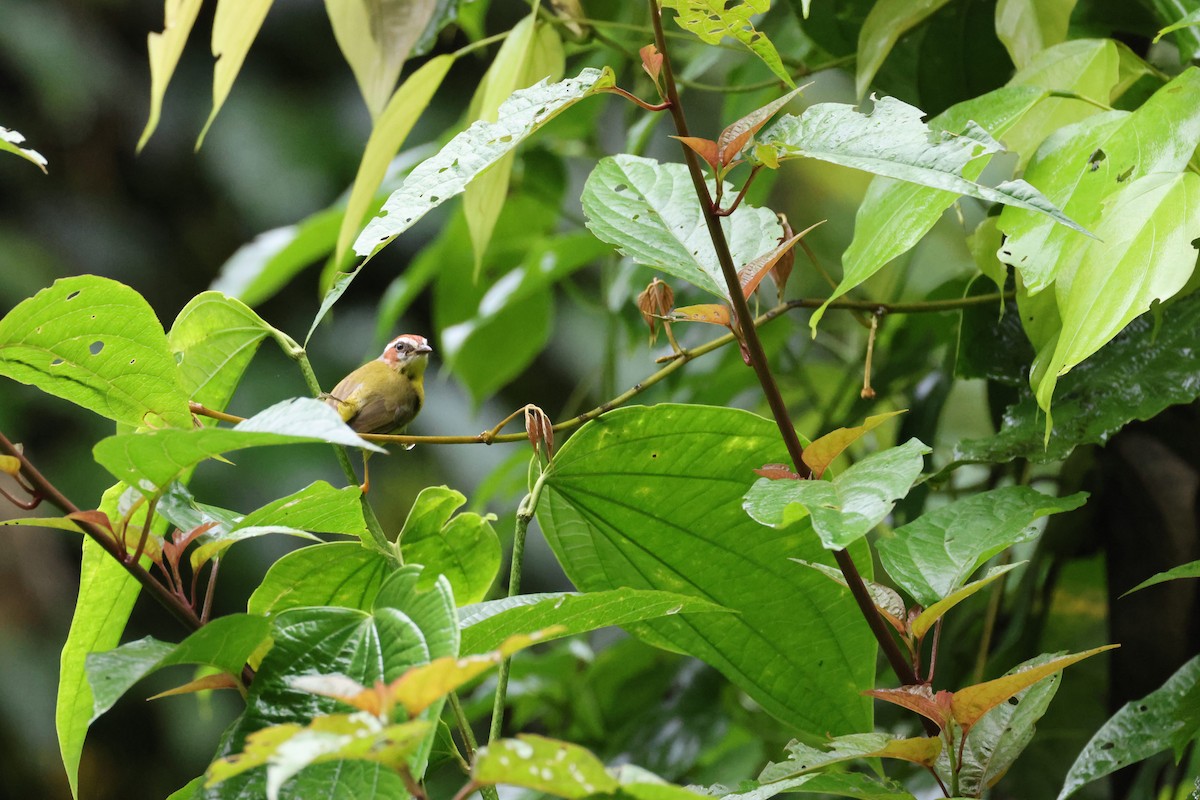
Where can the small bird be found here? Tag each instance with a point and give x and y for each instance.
(384, 395)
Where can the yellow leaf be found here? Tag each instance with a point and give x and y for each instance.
(926, 619)
(822, 452)
(971, 703)
(236, 24)
(220, 680)
(165, 49)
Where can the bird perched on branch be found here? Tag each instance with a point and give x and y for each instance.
(384, 395)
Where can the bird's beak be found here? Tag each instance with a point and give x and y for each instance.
(424, 348)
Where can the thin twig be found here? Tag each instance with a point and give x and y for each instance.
(737, 201)
(208, 592)
(637, 101)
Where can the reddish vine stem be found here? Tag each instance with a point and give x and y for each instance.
(758, 359)
(737, 201)
(166, 598)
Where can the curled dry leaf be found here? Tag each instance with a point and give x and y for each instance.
(655, 303)
(540, 430)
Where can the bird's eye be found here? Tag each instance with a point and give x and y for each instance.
(401, 347)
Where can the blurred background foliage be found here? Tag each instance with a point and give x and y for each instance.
(172, 222)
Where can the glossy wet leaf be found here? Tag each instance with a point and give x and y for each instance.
(1149, 366)
(1082, 166)
(892, 141)
(151, 460)
(1027, 27)
(845, 509)
(973, 702)
(1189, 570)
(486, 625)
(463, 547)
(883, 27)
(649, 212)
(317, 508)
(225, 643)
(235, 27)
(649, 498)
(1167, 718)
(1146, 254)
(376, 38)
(803, 759)
(474, 150)
(896, 214)
(334, 574)
(165, 49)
(10, 142)
(936, 553)
(713, 20)
(534, 762)
(213, 339)
(98, 344)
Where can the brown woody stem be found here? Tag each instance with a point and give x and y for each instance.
(758, 358)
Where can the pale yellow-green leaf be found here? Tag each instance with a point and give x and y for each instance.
(529, 54)
(236, 24)
(375, 37)
(1026, 27)
(165, 49)
(883, 27)
(388, 135)
(926, 619)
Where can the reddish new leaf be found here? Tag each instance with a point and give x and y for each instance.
(777, 472)
(921, 699)
(218, 680)
(652, 62)
(971, 703)
(734, 138)
(705, 148)
(751, 275)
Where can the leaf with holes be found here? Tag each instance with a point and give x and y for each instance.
(97, 343)
(650, 213)
(471, 152)
(713, 20)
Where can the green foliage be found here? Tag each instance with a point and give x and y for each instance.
(463, 548)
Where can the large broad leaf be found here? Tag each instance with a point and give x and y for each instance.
(713, 20)
(1146, 253)
(376, 37)
(530, 53)
(1082, 166)
(107, 593)
(649, 211)
(845, 509)
(151, 460)
(933, 555)
(474, 150)
(462, 547)
(213, 338)
(236, 24)
(10, 142)
(1149, 366)
(226, 643)
(97, 343)
(650, 498)
(334, 574)
(387, 137)
(559, 768)
(1027, 27)
(893, 141)
(165, 49)
(403, 629)
(895, 215)
(883, 27)
(486, 625)
(1167, 718)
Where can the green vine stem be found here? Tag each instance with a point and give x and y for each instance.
(524, 517)
(758, 358)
